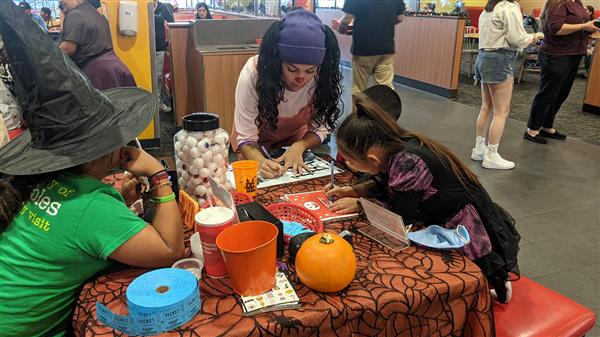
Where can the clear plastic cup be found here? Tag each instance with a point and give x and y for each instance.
(192, 265)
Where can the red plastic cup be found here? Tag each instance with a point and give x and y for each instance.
(210, 222)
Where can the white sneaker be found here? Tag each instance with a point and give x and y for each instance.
(477, 155)
(493, 160)
(164, 108)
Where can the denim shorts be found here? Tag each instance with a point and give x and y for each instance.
(494, 66)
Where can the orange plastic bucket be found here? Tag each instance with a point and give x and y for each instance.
(249, 250)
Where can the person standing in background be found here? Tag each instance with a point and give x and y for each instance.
(36, 18)
(162, 14)
(501, 34)
(86, 39)
(46, 14)
(567, 28)
(372, 40)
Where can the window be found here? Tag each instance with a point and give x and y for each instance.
(330, 3)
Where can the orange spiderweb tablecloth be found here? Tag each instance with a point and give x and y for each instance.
(414, 292)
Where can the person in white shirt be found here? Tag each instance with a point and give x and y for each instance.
(288, 95)
(501, 34)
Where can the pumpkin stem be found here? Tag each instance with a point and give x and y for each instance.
(326, 238)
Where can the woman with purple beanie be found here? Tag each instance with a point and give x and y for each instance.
(288, 95)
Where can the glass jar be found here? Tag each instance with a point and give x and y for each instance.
(201, 151)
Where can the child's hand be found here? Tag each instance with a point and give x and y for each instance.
(345, 205)
(337, 192)
(271, 169)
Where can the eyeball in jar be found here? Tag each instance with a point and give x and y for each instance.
(201, 150)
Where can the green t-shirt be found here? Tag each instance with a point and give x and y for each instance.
(58, 240)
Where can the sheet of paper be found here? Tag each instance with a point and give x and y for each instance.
(318, 204)
(318, 168)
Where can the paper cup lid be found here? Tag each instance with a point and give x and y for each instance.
(214, 216)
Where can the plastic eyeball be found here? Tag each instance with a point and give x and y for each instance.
(185, 176)
(198, 135)
(178, 146)
(217, 159)
(181, 182)
(198, 162)
(204, 144)
(179, 154)
(197, 180)
(194, 153)
(219, 173)
(220, 138)
(185, 149)
(182, 136)
(194, 170)
(201, 190)
(191, 142)
(212, 167)
(204, 172)
(207, 156)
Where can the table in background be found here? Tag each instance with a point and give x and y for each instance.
(408, 293)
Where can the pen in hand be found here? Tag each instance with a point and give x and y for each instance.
(332, 178)
(266, 152)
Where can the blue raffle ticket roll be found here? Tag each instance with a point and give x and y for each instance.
(158, 301)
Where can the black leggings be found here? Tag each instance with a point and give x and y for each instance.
(556, 79)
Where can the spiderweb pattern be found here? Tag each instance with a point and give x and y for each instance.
(413, 292)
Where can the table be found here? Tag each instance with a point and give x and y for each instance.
(408, 293)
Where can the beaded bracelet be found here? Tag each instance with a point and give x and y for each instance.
(161, 200)
(158, 176)
(163, 184)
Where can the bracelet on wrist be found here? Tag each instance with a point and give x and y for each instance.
(157, 177)
(155, 188)
(162, 200)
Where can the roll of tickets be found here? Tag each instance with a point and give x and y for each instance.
(157, 301)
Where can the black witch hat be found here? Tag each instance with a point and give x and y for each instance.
(70, 122)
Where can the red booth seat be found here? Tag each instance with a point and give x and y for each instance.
(536, 311)
(474, 13)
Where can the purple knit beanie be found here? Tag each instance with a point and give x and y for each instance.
(302, 38)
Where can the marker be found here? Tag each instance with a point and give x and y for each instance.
(332, 177)
(264, 149)
(143, 180)
(137, 142)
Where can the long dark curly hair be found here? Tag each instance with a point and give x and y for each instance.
(270, 87)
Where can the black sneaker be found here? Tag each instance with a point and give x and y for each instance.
(537, 139)
(555, 135)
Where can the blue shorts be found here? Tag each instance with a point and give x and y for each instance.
(494, 66)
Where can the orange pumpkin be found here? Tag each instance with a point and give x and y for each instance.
(326, 263)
